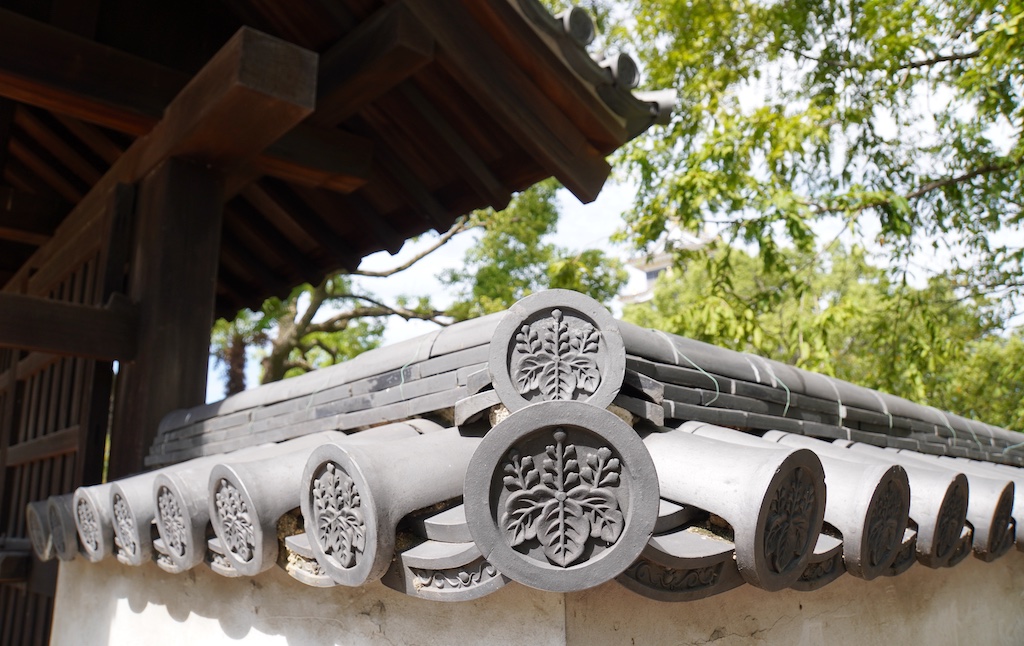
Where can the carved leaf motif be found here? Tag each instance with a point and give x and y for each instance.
(602, 511)
(566, 504)
(340, 521)
(563, 530)
(176, 538)
(788, 523)
(556, 360)
(522, 511)
(88, 526)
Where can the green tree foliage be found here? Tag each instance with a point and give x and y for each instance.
(511, 259)
(898, 121)
(850, 320)
(318, 326)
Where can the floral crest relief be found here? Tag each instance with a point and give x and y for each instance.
(88, 526)
(561, 504)
(884, 526)
(124, 525)
(556, 360)
(173, 521)
(338, 514)
(788, 524)
(235, 521)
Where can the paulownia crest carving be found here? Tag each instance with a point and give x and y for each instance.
(455, 578)
(788, 524)
(1001, 534)
(660, 577)
(56, 530)
(124, 526)
(235, 521)
(173, 521)
(338, 516)
(951, 521)
(556, 358)
(561, 504)
(884, 525)
(88, 526)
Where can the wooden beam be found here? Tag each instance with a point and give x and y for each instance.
(505, 90)
(174, 278)
(72, 75)
(14, 565)
(76, 77)
(38, 324)
(314, 157)
(7, 108)
(254, 89)
(50, 445)
(380, 54)
(29, 219)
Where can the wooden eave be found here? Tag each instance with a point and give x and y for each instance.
(424, 111)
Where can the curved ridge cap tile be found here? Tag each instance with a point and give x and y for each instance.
(776, 488)
(683, 566)
(986, 469)
(938, 499)
(218, 561)
(64, 534)
(355, 495)
(824, 566)
(443, 571)
(369, 363)
(247, 498)
(302, 566)
(181, 493)
(674, 350)
(868, 504)
(93, 520)
(39, 532)
(989, 509)
(907, 554)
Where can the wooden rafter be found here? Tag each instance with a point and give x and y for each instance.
(380, 54)
(503, 88)
(29, 219)
(82, 79)
(226, 115)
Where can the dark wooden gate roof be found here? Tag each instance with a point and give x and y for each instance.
(424, 111)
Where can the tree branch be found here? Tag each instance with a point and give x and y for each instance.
(948, 58)
(376, 308)
(462, 224)
(926, 62)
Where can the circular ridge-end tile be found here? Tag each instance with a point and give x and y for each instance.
(561, 496)
(557, 345)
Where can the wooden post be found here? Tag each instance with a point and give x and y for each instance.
(173, 278)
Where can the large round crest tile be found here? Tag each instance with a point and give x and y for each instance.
(561, 496)
(557, 345)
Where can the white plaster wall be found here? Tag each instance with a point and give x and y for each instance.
(108, 603)
(974, 603)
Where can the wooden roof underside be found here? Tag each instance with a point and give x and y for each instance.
(424, 111)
